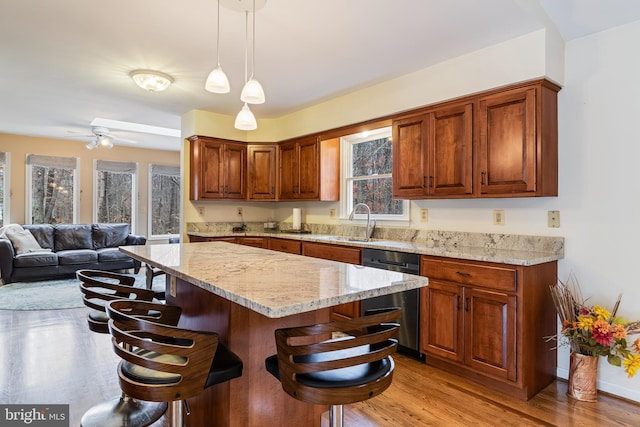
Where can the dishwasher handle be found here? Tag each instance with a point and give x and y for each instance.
(384, 264)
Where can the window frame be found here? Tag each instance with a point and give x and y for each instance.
(5, 163)
(150, 202)
(48, 161)
(117, 167)
(346, 202)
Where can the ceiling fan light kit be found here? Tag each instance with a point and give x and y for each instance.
(151, 80)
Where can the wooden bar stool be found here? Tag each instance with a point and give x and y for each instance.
(98, 288)
(162, 362)
(337, 363)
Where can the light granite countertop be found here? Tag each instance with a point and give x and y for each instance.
(274, 284)
(514, 250)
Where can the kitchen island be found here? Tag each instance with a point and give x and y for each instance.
(244, 294)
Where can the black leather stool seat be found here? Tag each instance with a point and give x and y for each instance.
(336, 378)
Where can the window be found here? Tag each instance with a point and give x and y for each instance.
(53, 181)
(164, 201)
(115, 191)
(4, 189)
(367, 170)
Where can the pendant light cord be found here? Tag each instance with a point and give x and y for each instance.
(246, 43)
(218, 35)
(253, 45)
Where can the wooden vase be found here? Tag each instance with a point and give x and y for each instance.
(583, 376)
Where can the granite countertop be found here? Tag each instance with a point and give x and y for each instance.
(516, 254)
(274, 284)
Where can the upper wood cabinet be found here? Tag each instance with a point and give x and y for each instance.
(218, 169)
(309, 169)
(432, 153)
(262, 172)
(518, 142)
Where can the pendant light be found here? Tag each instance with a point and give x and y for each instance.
(245, 120)
(217, 82)
(252, 91)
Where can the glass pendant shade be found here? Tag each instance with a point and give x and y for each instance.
(252, 92)
(217, 82)
(245, 120)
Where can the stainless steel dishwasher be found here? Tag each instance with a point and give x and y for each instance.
(409, 336)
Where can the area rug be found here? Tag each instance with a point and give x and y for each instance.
(54, 294)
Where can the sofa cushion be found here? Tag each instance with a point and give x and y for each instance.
(36, 259)
(72, 236)
(111, 254)
(77, 256)
(43, 234)
(23, 241)
(109, 235)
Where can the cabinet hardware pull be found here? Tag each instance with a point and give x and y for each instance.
(466, 304)
(430, 181)
(463, 274)
(482, 178)
(459, 303)
(424, 181)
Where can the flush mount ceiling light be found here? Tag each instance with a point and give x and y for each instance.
(217, 82)
(151, 80)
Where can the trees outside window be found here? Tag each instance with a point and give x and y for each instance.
(115, 191)
(164, 199)
(367, 168)
(53, 182)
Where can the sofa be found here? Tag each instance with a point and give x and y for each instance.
(44, 251)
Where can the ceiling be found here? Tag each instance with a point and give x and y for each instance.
(65, 63)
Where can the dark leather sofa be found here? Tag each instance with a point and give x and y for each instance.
(67, 248)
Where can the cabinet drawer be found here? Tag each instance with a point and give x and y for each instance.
(285, 245)
(489, 276)
(333, 252)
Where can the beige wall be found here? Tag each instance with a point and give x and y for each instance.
(19, 146)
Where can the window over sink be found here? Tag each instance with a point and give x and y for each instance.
(366, 176)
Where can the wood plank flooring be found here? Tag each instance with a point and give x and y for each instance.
(52, 357)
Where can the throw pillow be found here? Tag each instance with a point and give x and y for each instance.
(3, 230)
(23, 241)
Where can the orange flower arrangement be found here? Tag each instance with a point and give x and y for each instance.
(594, 330)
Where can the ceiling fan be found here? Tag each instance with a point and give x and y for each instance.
(102, 138)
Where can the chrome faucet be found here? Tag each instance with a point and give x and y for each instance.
(371, 223)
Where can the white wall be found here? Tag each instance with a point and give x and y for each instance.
(599, 141)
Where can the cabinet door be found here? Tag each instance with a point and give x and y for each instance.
(442, 316)
(235, 171)
(309, 169)
(507, 158)
(207, 161)
(490, 334)
(261, 183)
(288, 178)
(409, 145)
(450, 157)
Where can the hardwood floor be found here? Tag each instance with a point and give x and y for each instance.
(52, 357)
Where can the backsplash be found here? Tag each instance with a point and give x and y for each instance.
(430, 238)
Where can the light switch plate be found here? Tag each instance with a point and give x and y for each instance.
(498, 217)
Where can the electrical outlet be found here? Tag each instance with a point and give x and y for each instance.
(498, 217)
(201, 210)
(424, 215)
(239, 211)
(553, 219)
(332, 213)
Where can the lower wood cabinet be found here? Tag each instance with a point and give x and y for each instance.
(346, 254)
(285, 245)
(489, 321)
(257, 242)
